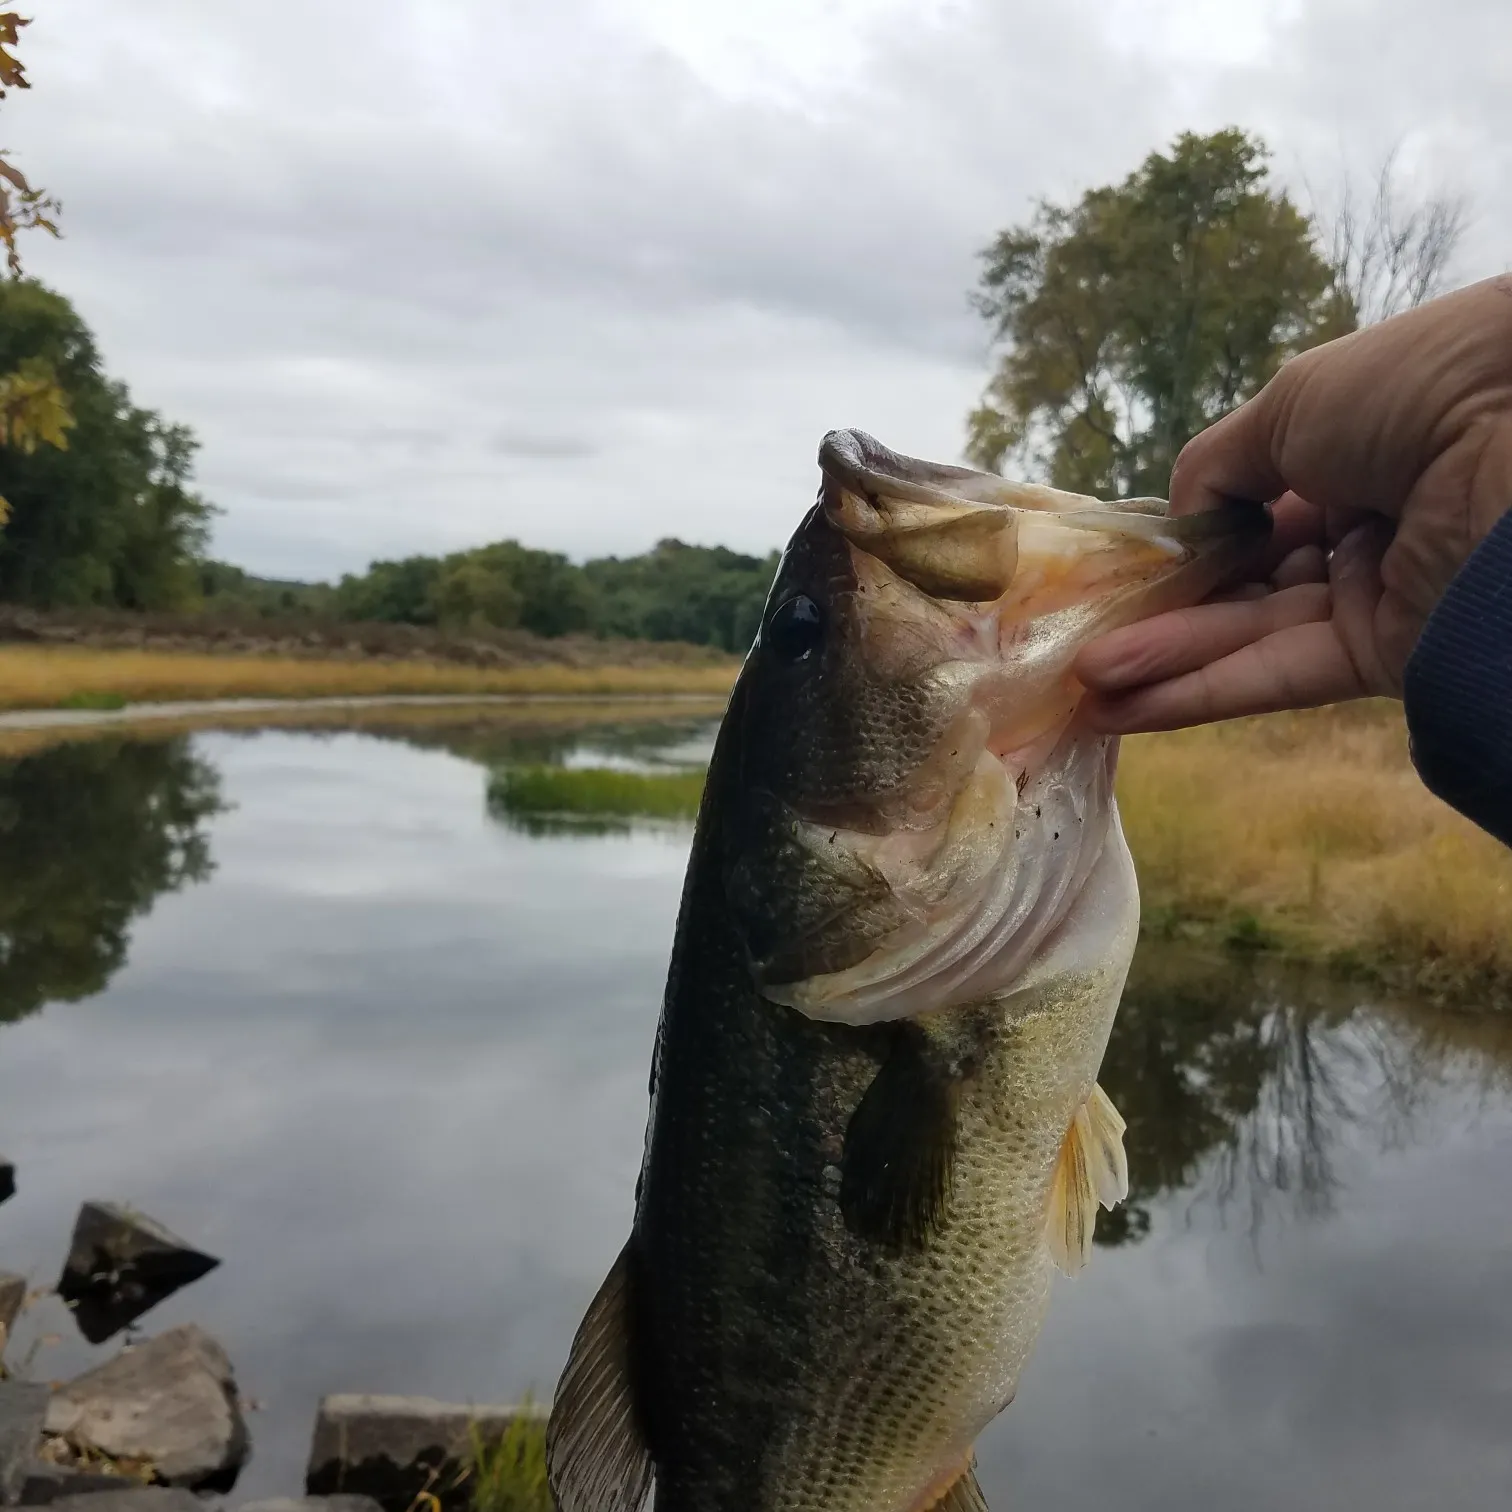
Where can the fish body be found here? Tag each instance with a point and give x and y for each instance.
(875, 1129)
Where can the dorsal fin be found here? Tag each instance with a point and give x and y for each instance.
(596, 1455)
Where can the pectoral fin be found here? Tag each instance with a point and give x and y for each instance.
(962, 1495)
(596, 1455)
(1090, 1169)
(900, 1147)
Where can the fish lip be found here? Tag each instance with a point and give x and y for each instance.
(883, 502)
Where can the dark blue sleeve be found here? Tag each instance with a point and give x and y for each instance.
(1458, 689)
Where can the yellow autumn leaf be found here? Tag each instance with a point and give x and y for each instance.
(34, 411)
(12, 71)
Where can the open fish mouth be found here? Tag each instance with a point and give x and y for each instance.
(976, 593)
(1020, 550)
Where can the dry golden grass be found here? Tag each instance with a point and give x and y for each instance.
(34, 677)
(1314, 827)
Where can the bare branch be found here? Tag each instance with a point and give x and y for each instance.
(1395, 252)
(21, 207)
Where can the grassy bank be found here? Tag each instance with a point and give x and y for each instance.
(33, 677)
(1312, 832)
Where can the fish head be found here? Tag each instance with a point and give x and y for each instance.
(916, 805)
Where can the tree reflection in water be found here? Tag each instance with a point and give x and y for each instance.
(1242, 1077)
(91, 833)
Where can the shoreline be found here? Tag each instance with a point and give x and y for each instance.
(29, 719)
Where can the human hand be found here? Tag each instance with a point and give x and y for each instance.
(1389, 456)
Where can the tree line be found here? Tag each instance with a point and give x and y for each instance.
(1122, 323)
(705, 595)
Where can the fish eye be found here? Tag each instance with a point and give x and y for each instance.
(795, 629)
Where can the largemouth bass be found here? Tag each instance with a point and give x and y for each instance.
(875, 1127)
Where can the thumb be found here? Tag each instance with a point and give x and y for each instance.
(1232, 458)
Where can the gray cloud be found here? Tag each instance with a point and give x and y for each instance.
(525, 270)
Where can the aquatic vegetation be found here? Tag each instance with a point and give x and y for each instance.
(597, 797)
(58, 676)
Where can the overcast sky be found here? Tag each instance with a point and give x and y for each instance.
(591, 272)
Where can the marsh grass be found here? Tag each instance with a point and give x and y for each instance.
(508, 1473)
(593, 793)
(50, 677)
(1312, 831)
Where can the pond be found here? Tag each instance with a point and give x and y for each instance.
(340, 1009)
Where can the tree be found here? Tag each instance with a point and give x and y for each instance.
(402, 592)
(707, 595)
(469, 593)
(1391, 253)
(553, 596)
(1130, 320)
(112, 519)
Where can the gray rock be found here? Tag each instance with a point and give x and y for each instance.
(12, 1295)
(121, 1263)
(393, 1447)
(134, 1499)
(313, 1504)
(170, 1401)
(45, 1483)
(23, 1409)
(7, 1179)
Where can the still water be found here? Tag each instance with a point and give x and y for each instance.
(315, 1003)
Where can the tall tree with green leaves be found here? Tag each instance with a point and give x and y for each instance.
(111, 520)
(1128, 321)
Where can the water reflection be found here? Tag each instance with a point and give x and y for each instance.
(90, 836)
(1241, 1077)
(629, 744)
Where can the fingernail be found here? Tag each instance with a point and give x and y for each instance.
(1360, 548)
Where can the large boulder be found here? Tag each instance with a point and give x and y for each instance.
(132, 1499)
(392, 1448)
(170, 1403)
(120, 1263)
(312, 1504)
(23, 1408)
(45, 1483)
